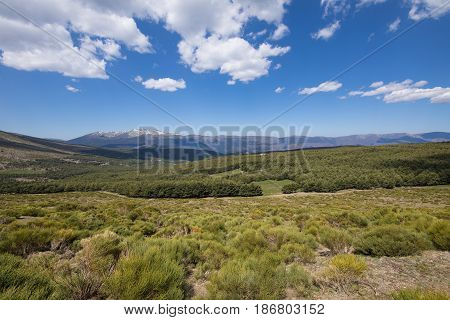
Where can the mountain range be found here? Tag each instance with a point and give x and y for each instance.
(147, 143)
(149, 138)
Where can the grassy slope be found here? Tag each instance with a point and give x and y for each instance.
(222, 222)
(271, 187)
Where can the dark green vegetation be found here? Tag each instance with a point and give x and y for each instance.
(350, 244)
(80, 225)
(330, 170)
(31, 165)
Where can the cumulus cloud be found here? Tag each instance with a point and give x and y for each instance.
(405, 91)
(233, 56)
(279, 89)
(393, 26)
(25, 47)
(103, 27)
(277, 66)
(328, 86)
(423, 9)
(138, 79)
(213, 40)
(108, 48)
(327, 32)
(280, 32)
(214, 43)
(164, 84)
(72, 89)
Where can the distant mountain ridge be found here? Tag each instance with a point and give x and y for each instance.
(143, 138)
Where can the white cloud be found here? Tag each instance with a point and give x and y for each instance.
(138, 79)
(72, 89)
(376, 84)
(327, 32)
(404, 91)
(277, 66)
(423, 9)
(106, 25)
(328, 86)
(255, 35)
(370, 37)
(233, 56)
(26, 47)
(164, 84)
(279, 89)
(393, 26)
(355, 93)
(214, 43)
(334, 6)
(363, 3)
(108, 48)
(280, 32)
(231, 82)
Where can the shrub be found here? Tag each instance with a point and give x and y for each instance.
(19, 281)
(250, 241)
(338, 241)
(280, 235)
(146, 273)
(255, 278)
(24, 241)
(297, 252)
(419, 294)
(347, 219)
(391, 240)
(290, 188)
(300, 280)
(439, 233)
(349, 264)
(85, 274)
(345, 269)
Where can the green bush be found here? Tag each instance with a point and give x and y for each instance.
(20, 281)
(439, 233)
(300, 281)
(255, 278)
(419, 294)
(85, 274)
(349, 265)
(250, 241)
(146, 273)
(345, 269)
(391, 240)
(297, 252)
(290, 188)
(24, 241)
(347, 219)
(338, 241)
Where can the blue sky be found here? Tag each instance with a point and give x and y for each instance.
(402, 88)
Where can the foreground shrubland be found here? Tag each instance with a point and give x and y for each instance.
(358, 244)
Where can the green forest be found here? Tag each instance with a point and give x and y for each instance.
(319, 170)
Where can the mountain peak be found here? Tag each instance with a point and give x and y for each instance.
(126, 134)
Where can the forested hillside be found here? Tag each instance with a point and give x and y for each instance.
(319, 170)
